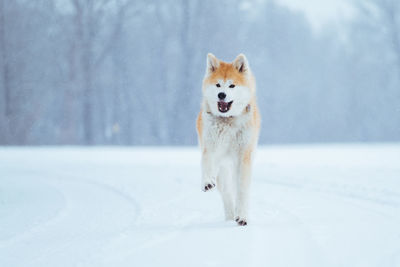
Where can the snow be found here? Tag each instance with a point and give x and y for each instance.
(311, 205)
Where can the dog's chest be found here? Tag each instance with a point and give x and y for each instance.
(227, 133)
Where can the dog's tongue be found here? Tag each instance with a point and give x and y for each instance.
(223, 105)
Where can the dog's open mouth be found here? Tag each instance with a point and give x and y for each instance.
(224, 106)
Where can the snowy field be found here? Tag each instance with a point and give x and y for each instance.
(332, 205)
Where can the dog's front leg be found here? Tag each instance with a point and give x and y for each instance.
(209, 172)
(243, 187)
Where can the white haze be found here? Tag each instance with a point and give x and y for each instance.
(129, 72)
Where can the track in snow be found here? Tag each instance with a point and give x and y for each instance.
(333, 205)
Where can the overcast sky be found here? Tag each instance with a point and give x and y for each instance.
(321, 12)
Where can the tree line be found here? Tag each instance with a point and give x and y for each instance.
(129, 72)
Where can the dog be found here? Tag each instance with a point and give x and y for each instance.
(228, 127)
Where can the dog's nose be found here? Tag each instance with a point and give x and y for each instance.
(221, 96)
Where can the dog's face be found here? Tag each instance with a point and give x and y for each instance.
(228, 87)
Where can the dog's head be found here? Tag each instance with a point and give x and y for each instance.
(228, 87)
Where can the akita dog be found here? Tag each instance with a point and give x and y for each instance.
(228, 126)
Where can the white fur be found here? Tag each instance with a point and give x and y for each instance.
(224, 139)
(228, 139)
(240, 95)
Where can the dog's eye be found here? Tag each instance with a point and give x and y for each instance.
(218, 85)
(231, 86)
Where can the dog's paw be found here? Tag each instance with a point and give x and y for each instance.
(241, 221)
(208, 186)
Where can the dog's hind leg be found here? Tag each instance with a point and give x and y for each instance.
(226, 187)
(243, 187)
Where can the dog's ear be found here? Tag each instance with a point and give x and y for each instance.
(241, 63)
(212, 63)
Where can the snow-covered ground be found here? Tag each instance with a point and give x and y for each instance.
(332, 205)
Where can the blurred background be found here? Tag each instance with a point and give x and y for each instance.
(124, 72)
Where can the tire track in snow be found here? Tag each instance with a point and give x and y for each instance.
(344, 212)
(364, 194)
(39, 227)
(149, 235)
(305, 250)
(73, 177)
(77, 194)
(92, 255)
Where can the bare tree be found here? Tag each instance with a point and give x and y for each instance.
(383, 17)
(4, 66)
(94, 33)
